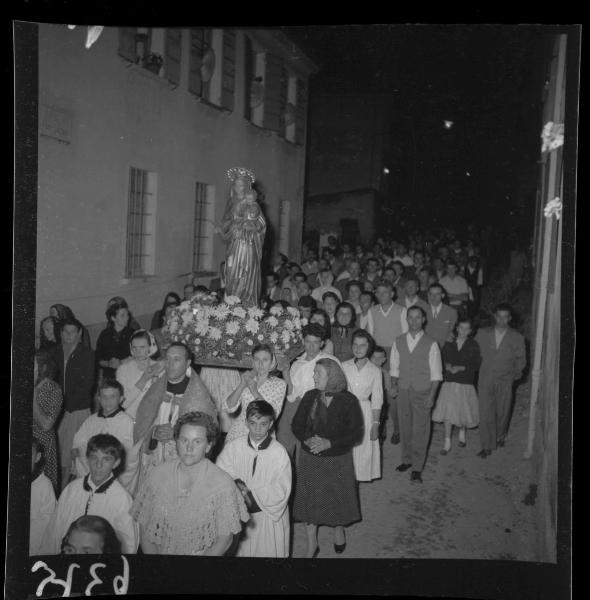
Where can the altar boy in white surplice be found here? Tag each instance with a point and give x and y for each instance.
(262, 470)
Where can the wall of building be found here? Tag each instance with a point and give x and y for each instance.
(116, 115)
(349, 157)
(325, 212)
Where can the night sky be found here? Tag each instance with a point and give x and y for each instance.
(486, 79)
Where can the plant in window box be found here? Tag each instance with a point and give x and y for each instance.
(153, 62)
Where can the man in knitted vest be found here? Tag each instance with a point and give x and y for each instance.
(416, 373)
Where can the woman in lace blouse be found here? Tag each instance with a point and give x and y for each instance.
(189, 506)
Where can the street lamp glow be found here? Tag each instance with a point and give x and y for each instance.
(468, 173)
(385, 171)
(448, 124)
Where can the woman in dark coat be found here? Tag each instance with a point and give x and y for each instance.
(342, 330)
(328, 423)
(113, 344)
(457, 402)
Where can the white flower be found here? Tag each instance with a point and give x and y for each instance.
(272, 321)
(221, 311)
(255, 312)
(260, 337)
(187, 317)
(215, 333)
(289, 325)
(287, 346)
(215, 353)
(292, 311)
(239, 312)
(230, 354)
(231, 300)
(230, 342)
(285, 336)
(552, 136)
(553, 207)
(202, 327)
(249, 342)
(232, 328)
(274, 336)
(251, 326)
(197, 341)
(276, 310)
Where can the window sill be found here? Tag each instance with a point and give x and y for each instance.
(162, 79)
(205, 274)
(143, 278)
(212, 105)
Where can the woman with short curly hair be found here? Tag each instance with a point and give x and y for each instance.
(189, 505)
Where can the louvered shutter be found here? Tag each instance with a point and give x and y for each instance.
(248, 76)
(196, 53)
(301, 111)
(173, 51)
(272, 92)
(228, 72)
(283, 102)
(127, 43)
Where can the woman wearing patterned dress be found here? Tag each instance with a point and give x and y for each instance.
(365, 381)
(255, 385)
(47, 404)
(328, 423)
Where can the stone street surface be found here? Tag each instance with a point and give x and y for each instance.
(467, 507)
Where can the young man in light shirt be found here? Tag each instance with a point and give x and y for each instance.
(388, 321)
(410, 296)
(455, 286)
(416, 373)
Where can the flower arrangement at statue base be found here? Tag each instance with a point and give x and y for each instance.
(224, 334)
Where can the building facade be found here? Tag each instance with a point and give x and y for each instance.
(348, 167)
(136, 134)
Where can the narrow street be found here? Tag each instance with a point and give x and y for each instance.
(467, 508)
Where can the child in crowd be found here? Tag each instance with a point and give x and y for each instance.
(91, 535)
(42, 499)
(111, 418)
(98, 493)
(262, 470)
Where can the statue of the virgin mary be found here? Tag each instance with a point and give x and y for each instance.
(243, 229)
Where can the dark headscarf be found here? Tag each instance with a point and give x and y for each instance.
(318, 414)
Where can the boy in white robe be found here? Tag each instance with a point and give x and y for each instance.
(261, 468)
(111, 418)
(98, 493)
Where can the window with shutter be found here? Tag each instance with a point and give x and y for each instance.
(195, 60)
(283, 98)
(249, 70)
(272, 92)
(228, 69)
(203, 227)
(301, 111)
(173, 53)
(127, 43)
(141, 224)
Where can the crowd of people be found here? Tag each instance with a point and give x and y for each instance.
(137, 449)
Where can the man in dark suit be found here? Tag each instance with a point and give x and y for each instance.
(273, 290)
(503, 361)
(441, 318)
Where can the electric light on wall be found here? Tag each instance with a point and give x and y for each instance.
(448, 124)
